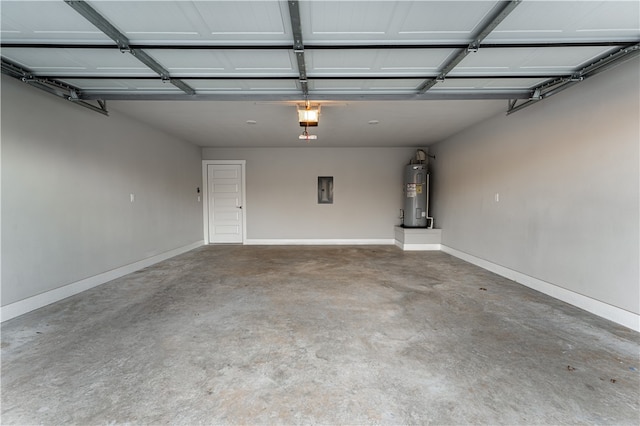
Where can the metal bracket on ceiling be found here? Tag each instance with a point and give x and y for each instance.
(557, 85)
(501, 12)
(533, 98)
(536, 95)
(53, 87)
(91, 15)
(101, 108)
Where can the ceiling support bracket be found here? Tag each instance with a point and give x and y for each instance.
(91, 15)
(53, 87)
(501, 12)
(557, 85)
(100, 108)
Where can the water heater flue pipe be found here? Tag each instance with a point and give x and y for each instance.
(421, 157)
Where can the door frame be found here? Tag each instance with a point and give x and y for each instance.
(205, 194)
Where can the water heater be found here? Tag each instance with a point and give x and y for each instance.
(416, 196)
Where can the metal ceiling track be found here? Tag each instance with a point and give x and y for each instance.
(124, 45)
(500, 13)
(312, 77)
(294, 96)
(555, 86)
(56, 88)
(394, 46)
(298, 46)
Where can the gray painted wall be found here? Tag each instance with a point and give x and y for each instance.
(567, 174)
(282, 184)
(67, 173)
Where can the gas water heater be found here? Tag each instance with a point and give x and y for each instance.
(416, 194)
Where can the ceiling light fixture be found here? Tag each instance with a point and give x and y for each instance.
(308, 115)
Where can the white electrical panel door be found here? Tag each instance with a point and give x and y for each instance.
(225, 203)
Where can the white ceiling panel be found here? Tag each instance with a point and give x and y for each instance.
(245, 86)
(570, 21)
(337, 85)
(413, 61)
(444, 20)
(123, 85)
(376, 61)
(261, 61)
(409, 84)
(209, 86)
(483, 83)
(58, 61)
(324, 62)
(197, 62)
(199, 21)
(366, 85)
(38, 21)
(387, 21)
(156, 85)
(289, 86)
(100, 84)
(345, 20)
(548, 60)
(192, 62)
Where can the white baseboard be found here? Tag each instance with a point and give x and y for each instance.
(418, 247)
(596, 307)
(604, 310)
(35, 302)
(319, 242)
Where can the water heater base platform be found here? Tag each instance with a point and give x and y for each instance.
(418, 238)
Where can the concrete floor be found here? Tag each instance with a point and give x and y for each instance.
(329, 335)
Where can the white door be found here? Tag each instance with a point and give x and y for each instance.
(224, 186)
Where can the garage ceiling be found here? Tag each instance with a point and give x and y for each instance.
(206, 71)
